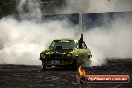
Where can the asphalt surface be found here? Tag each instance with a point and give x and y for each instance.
(23, 76)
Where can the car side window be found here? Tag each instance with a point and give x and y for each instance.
(84, 45)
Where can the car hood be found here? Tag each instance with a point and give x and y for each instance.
(54, 51)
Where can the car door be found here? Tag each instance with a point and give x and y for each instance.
(83, 53)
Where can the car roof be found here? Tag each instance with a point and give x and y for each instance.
(68, 39)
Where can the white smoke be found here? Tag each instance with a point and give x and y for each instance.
(97, 6)
(29, 9)
(22, 41)
(114, 40)
(74, 6)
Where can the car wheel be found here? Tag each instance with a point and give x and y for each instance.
(75, 65)
(44, 67)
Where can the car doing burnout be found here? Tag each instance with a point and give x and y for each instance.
(66, 52)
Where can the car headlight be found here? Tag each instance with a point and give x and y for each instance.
(42, 55)
(69, 55)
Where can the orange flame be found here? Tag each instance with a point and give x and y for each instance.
(81, 71)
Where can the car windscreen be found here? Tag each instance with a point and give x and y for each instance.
(64, 44)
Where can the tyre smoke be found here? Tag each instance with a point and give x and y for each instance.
(113, 39)
(96, 6)
(21, 41)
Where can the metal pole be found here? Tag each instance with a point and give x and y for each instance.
(16, 3)
(80, 22)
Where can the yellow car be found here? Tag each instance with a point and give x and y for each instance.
(69, 52)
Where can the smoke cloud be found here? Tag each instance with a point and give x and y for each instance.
(113, 39)
(97, 6)
(29, 10)
(22, 41)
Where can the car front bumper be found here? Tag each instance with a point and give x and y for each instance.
(57, 61)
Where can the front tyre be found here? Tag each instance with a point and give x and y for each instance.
(44, 67)
(75, 65)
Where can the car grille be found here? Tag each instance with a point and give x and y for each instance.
(56, 56)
